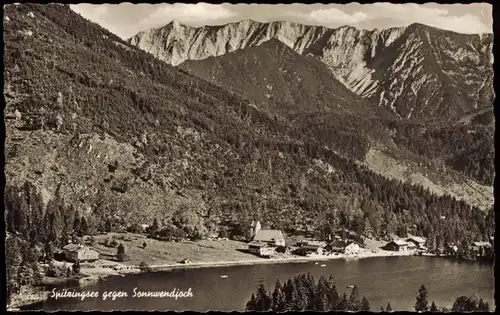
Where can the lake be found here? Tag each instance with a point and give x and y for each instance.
(380, 279)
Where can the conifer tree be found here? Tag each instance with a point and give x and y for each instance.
(321, 302)
(262, 299)
(25, 274)
(21, 219)
(290, 294)
(279, 300)
(300, 300)
(344, 303)
(388, 308)
(354, 301)
(76, 268)
(483, 306)
(251, 305)
(107, 226)
(333, 294)
(49, 251)
(13, 261)
(84, 228)
(77, 223)
(153, 231)
(365, 305)
(121, 254)
(55, 227)
(434, 307)
(422, 305)
(309, 288)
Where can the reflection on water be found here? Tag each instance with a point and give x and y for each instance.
(381, 280)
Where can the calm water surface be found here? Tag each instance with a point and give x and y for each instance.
(381, 280)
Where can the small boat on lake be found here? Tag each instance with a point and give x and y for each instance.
(223, 276)
(323, 265)
(350, 286)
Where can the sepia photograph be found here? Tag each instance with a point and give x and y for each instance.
(249, 157)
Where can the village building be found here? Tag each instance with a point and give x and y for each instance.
(412, 246)
(282, 249)
(451, 250)
(254, 229)
(79, 253)
(480, 247)
(397, 245)
(260, 248)
(311, 247)
(343, 247)
(344, 234)
(419, 242)
(270, 237)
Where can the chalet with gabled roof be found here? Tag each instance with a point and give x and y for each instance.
(270, 237)
(418, 241)
(79, 253)
(397, 245)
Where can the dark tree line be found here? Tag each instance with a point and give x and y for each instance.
(302, 293)
(21, 260)
(462, 304)
(54, 223)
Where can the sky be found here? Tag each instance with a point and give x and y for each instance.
(126, 19)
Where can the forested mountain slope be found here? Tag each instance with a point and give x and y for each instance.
(101, 130)
(301, 89)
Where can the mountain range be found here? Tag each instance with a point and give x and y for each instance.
(417, 71)
(98, 128)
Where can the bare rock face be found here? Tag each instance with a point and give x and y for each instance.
(416, 71)
(176, 43)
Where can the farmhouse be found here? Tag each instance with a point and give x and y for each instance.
(418, 241)
(343, 247)
(397, 245)
(270, 237)
(259, 248)
(79, 253)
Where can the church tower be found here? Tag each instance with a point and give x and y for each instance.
(254, 229)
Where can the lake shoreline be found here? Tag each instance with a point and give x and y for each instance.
(161, 256)
(280, 260)
(89, 278)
